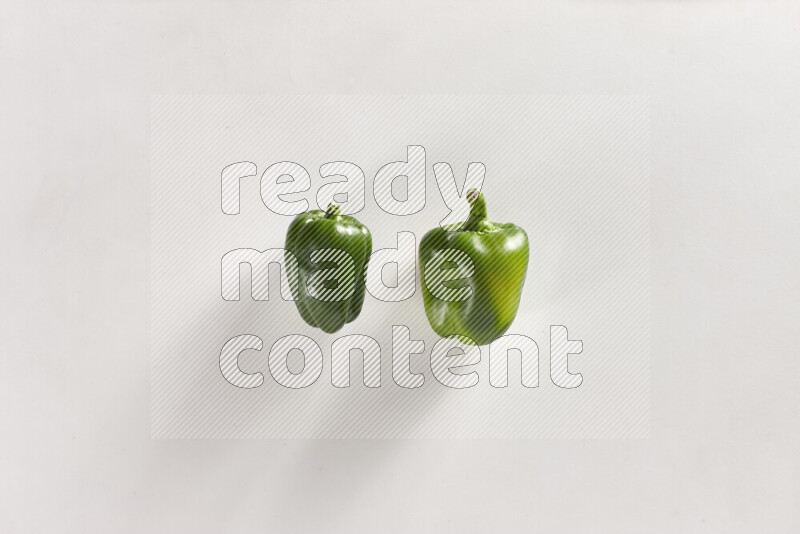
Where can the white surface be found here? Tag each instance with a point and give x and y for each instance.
(76, 83)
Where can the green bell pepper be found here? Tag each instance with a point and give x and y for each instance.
(499, 254)
(314, 239)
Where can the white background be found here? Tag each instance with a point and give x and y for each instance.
(76, 81)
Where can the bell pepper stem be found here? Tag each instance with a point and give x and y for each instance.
(333, 211)
(477, 212)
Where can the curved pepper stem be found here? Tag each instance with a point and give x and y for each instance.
(333, 211)
(477, 214)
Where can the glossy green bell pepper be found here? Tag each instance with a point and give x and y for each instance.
(499, 254)
(329, 299)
